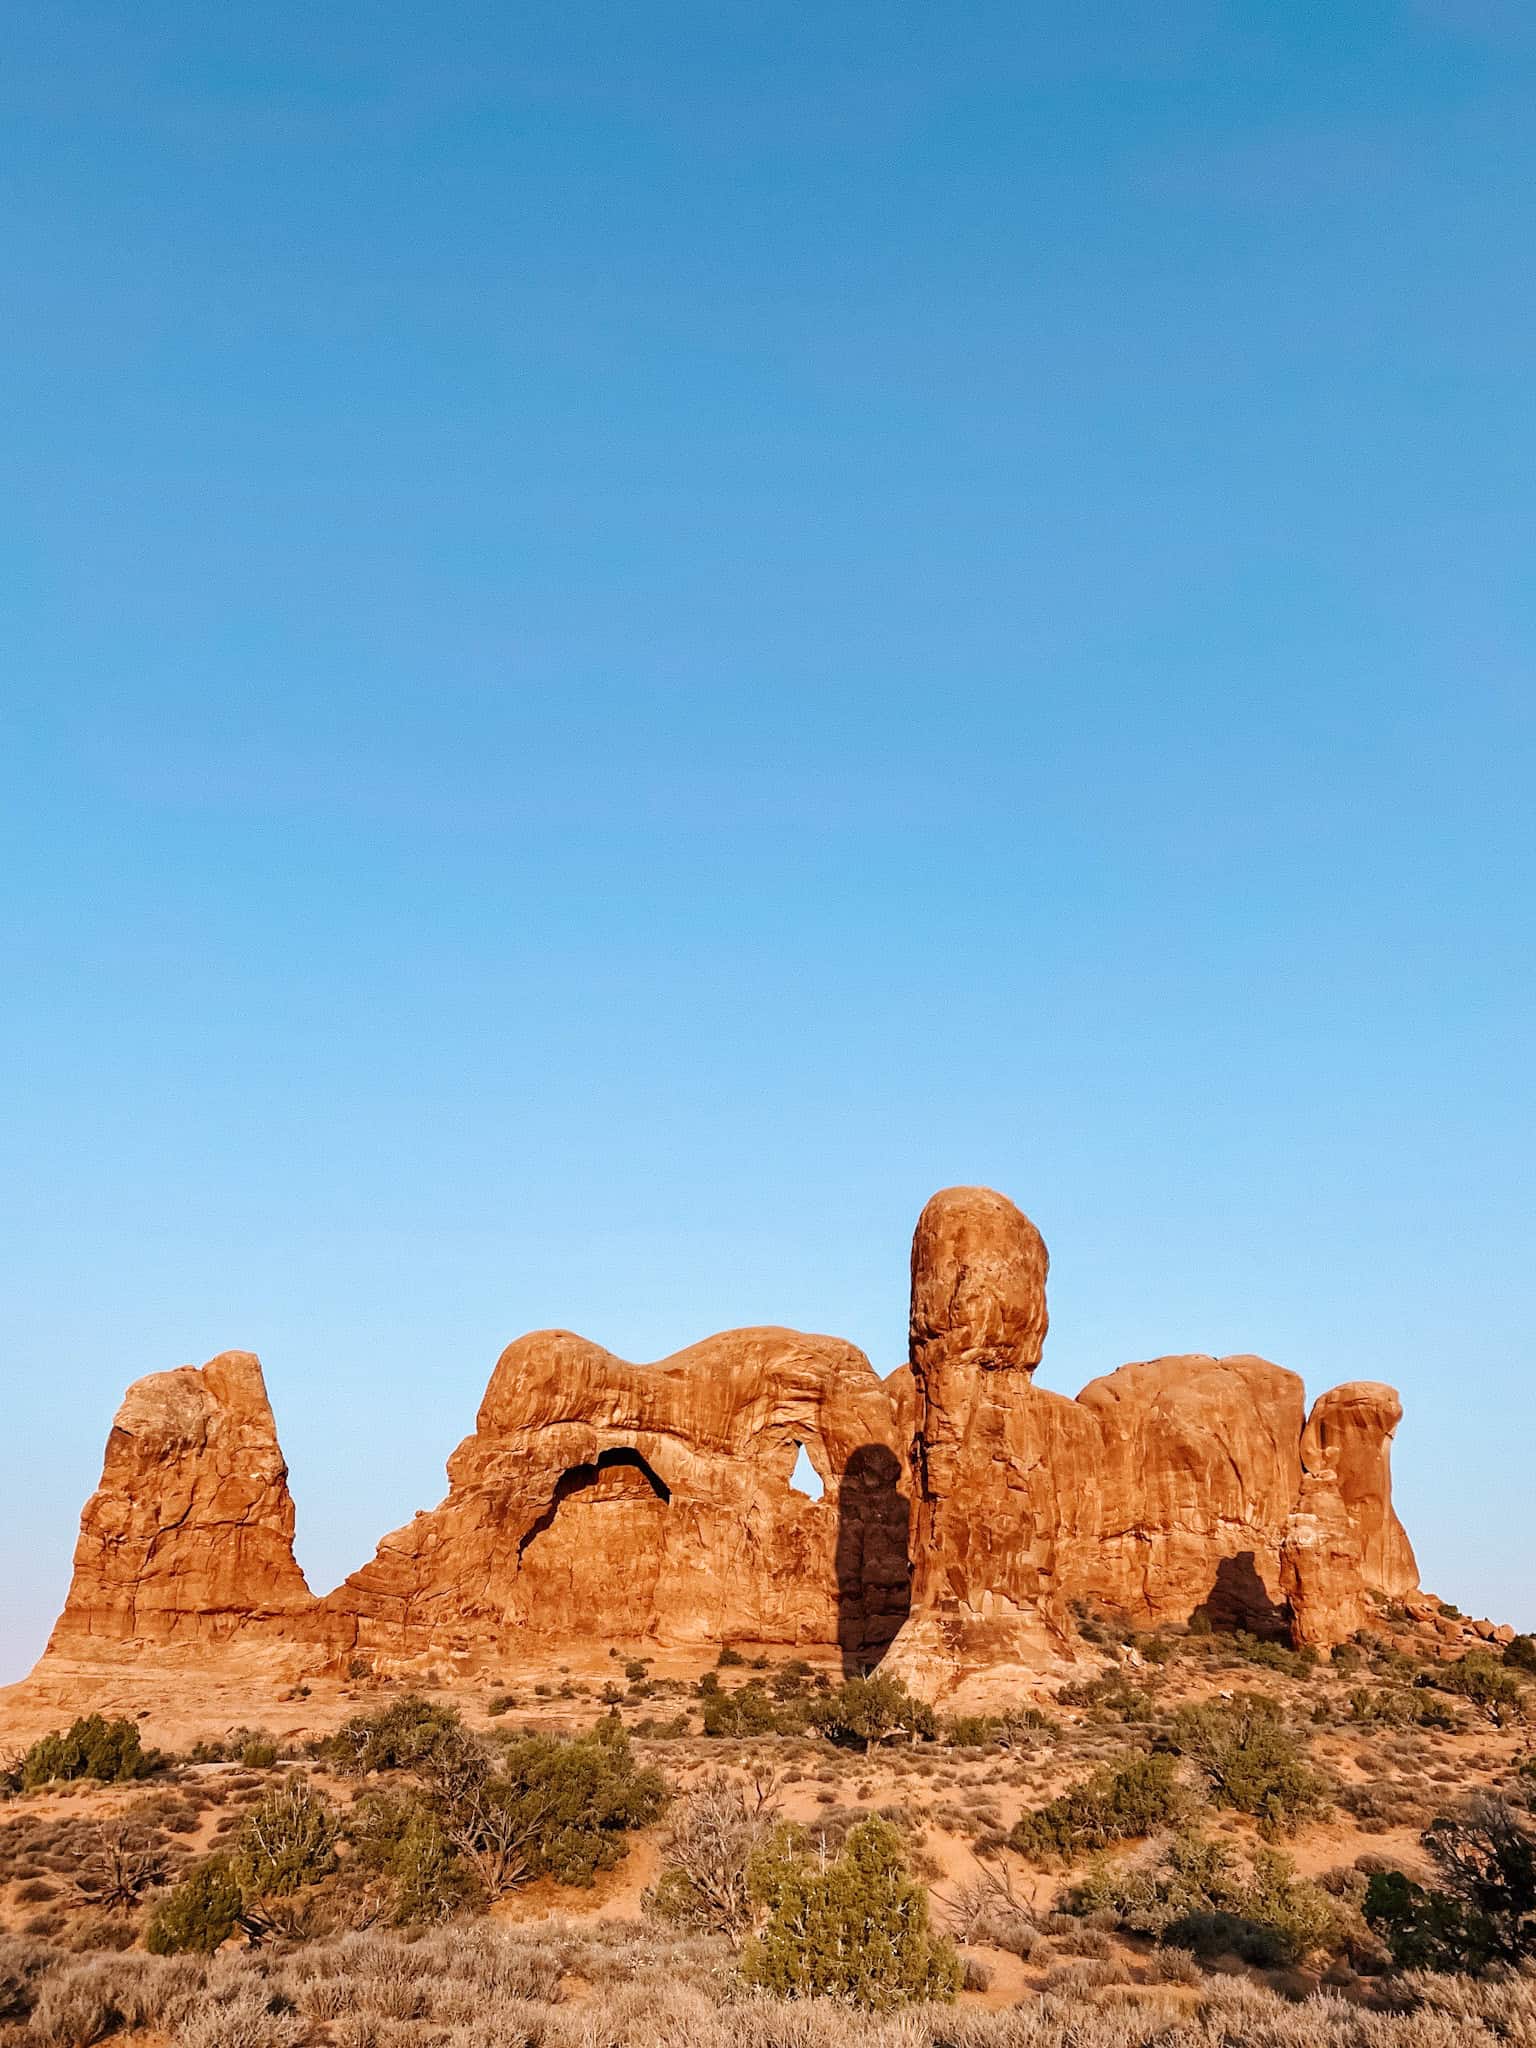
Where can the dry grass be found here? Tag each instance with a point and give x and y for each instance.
(566, 1985)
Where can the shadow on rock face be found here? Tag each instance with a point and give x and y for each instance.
(1239, 1599)
(874, 1567)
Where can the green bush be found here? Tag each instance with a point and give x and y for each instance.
(1482, 1912)
(1398, 1706)
(1272, 1656)
(1110, 1698)
(398, 1838)
(869, 1711)
(516, 1809)
(855, 1929)
(287, 1840)
(576, 1801)
(791, 1678)
(750, 1711)
(410, 1734)
(1488, 1685)
(1117, 1804)
(1197, 1898)
(90, 1748)
(1251, 1760)
(972, 1731)
(1520, 1655)
(200, 1913)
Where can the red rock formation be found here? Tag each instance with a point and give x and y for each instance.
(598, 1500)
(1358, 1421)
(1320, 1559)
(1165, 1489)
(188, 1540)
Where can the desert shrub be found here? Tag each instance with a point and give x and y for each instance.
(500, 1703)
(199, 1913)
(398, 1841)
(1272, 1656)
(410, 1734)
(246, 2019)
(729, 1657)
(749, 1710)
(1251, 1760)
(288, 1839)
(1382, 1803)
(971, 1731)
(119, 1867)
(1111, 1697)
(1011, 1729)
(791, 1679)
(1520, 1655)
(1396, 1706)
(23, 1964)
(1491, 1687)
(1197, 1897)
(90, 1748)
(675, 1726)
(1483, 1910)
(545, 1807)
(868, 1711)
(1116, 1804)
(856, 1929)
(1156, 1649)
(714, 1836)
(984, 1909)
(74, 2009)
(1173, 1966)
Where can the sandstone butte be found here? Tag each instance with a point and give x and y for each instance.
(967, 1514)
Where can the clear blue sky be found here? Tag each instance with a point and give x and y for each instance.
(634, 635)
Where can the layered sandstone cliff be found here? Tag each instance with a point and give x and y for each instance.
(966, 1514)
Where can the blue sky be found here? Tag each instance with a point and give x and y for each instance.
(633, 636)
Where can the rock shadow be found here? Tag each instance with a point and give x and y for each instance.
(578, 1478)
(1239, 1599)
(874, 1564)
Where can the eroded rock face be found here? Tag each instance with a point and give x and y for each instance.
(1320, 1560)
(1358, 1421)
(599, 1499)
(188, 1539)
(966, 1512)
(977, 1323)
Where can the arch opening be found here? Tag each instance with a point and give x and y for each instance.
(610, 1473)
(804, 1477)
